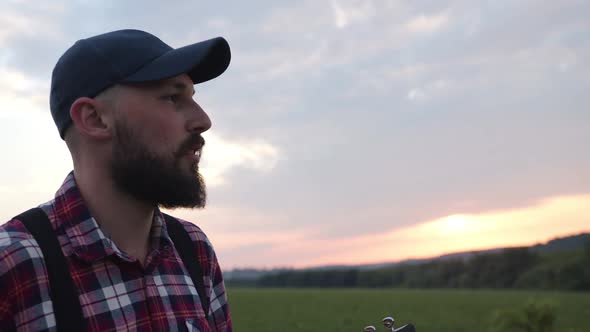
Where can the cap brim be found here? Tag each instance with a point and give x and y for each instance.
(202, 61)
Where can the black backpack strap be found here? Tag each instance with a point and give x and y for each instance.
(186, 250)
(66, 304)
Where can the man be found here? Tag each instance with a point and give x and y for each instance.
(123, 103)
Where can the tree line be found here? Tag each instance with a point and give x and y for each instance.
(509, 268)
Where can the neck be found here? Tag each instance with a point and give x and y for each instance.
(127, 220)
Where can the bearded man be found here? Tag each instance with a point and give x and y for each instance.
(101, 255)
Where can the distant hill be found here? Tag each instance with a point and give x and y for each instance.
(560, 264)
(567, 243)
(560, 244)
(249, 274)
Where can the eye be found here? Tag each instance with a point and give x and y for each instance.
(173, 98)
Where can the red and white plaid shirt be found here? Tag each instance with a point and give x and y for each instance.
(115, 291)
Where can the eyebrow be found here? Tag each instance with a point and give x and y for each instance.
(183, 87)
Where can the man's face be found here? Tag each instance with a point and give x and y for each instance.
(157, 143)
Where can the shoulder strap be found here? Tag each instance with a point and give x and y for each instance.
(66, 304)
(186, 250)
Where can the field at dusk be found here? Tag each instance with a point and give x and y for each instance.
(313, 310)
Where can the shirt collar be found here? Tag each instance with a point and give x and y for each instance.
(88, 240)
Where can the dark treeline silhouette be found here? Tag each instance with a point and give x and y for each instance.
(508, 268)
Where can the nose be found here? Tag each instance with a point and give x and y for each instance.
(198, 121)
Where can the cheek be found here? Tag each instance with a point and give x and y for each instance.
(161, 130)
(163, 134)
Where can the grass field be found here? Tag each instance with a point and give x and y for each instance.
(430, 310)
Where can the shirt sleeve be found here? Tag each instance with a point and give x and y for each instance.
(24, 289)
(6, 295)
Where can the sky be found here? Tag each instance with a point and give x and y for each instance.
(344, 131)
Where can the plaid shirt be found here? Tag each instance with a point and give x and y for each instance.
(115, 291)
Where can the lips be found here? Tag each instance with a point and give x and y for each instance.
(196, 154)
(193, 148)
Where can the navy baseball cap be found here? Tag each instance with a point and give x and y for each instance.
(94, 64)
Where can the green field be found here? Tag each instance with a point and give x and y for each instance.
(255, 309)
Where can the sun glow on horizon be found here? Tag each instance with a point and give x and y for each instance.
(456, 223)
(549, 218)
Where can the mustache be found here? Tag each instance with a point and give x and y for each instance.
(190, 144)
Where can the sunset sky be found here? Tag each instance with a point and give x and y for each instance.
(344, 131)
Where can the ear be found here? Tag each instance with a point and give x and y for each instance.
(89, 118)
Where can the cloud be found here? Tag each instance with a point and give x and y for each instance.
(349, 12)
(460, 232)
(16, 24)
(427, 23)
(416, 95)
(223, 156)
(433, 90)
(21, 96)
(280, 63)
(20, 19)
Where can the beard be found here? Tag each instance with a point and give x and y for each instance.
(156, 180)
